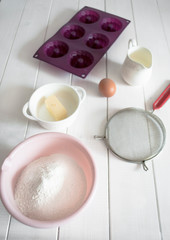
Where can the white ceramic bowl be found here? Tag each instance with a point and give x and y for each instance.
(37, 146)
(70, 96)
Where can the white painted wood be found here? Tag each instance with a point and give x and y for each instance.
(158, 39)
(11, 14)
(162, 78)
(163, 8)
(19, 231)
(89, 123)
(9, 22)
(128, 202)
(131, 189)
(18, 82)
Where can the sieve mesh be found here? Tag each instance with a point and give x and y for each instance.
(135, 135)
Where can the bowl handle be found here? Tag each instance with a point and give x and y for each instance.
(24, 111)
(81, 92)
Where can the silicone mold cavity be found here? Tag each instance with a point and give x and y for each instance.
(81, 59)
(73, 31)
(79, 44)
(56, 49)
(97, 41)
(88, 16)
(111, 25)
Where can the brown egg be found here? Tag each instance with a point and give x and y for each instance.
(107, 87)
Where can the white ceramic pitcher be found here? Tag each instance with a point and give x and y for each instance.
(137, 67)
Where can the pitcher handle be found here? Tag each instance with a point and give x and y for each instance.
(132, 43)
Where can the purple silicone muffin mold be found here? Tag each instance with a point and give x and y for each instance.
(78, 45)
(55, 49)
(88, 16)
(73, 31)
(81, 59)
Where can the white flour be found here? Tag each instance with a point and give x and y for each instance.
(50, 188)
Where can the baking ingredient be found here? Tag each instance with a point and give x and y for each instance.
(50, 188)
(141, 56)
(42, 112)
(107, 87)
(55, 108)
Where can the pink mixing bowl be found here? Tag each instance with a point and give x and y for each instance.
(33, 148)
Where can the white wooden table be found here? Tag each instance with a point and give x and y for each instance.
(129, 203)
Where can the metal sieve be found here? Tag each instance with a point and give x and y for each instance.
(136, 135)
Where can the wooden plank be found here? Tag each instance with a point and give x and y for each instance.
(163, 8)
(132, 193)
(10, 19)
(17, 85)
(161, 38)
(93, 223)
(157, 40)
(45, 74)
(20, 231)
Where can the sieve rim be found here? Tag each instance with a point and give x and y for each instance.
(153, 116)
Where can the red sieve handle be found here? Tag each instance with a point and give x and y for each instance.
(162, 99)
